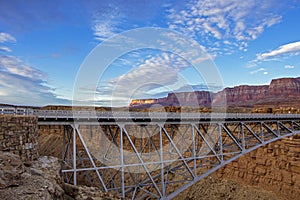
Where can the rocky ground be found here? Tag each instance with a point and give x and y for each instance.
(32, 180)
(39, 180)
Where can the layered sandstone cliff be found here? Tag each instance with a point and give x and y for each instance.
(142, 101)
(203, 98)
(280, 92)
(243, 95)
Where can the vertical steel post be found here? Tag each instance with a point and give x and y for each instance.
(74, 157)
(161, 161)
(122, 160)
(261, 132)
(243, 136)
(220, 142)
(194, 149)
(63, 148)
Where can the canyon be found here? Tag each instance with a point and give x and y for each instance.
(270, 172)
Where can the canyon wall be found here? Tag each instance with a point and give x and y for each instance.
(284, 92)
(203, 98)
(50, 139)
(243, 95)
(274, 167)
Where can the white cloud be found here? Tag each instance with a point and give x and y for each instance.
(17, 67)
(5, 37)
(23, 84)
(239, 21)
(5, 49)
(155, 72)
(20, 83)
(287, 49)
(21, 90)
(103, 29)
(289, 67)
(259, 70)
(159, 71)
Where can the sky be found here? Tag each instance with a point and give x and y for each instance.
(47, 46)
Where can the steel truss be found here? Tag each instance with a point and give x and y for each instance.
(159, 160)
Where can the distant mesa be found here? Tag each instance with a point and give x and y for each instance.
(280, 92)
(177, 99)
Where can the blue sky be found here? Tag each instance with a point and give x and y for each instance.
(43, 46)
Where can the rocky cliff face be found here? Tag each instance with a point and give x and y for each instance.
(202, 98)
(136, 102)
(196, 98)
(283, 91)
(284, 87)
(241, 95)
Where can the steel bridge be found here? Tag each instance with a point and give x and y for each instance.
(158, 155)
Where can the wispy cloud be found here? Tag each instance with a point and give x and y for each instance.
(17, 67)
(259, 70)
(21, 90)
(105, 18)
(235, 22)
(289, 67)
(22, 84)
(103, 29)
(113, 17)
(159, 71)
(5, 49)
(289, 49)
(5, 37)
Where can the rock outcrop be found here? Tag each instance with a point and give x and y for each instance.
(40, 179)
(30, 180)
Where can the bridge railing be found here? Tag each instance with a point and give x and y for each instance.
(157, 115)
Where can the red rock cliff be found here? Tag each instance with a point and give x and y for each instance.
(285, 87)
(202, 98)
(241, 95)
(283, 91)
(197, 98)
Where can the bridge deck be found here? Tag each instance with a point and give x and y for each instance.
(69, 116)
